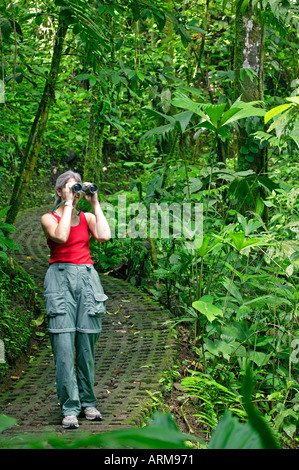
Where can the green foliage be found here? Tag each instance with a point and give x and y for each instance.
(254, 417)
(6, 244)
(19, 307)
(216, 117)
(236, 289)
(285, 124)
(166, 71)
(231, 434)
(254, 434)
(6, 422)
(213, 399)
(160, 433)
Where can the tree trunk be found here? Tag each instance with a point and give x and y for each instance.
(38, 128)
(93, 158)
(249, 51)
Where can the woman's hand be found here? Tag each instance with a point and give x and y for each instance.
(69, 193)
(97, 222)
(92, 198)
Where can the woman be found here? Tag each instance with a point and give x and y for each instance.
(74, 297)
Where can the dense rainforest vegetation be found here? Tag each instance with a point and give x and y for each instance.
(169, 104)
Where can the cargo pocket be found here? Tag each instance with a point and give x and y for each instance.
(55, 303)
(97, 303)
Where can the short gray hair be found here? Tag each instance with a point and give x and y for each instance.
(63, 179)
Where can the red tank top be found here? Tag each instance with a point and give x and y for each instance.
(76, 249)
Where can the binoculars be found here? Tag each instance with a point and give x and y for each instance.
(88, 189)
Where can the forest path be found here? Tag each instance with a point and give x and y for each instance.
(131, 354)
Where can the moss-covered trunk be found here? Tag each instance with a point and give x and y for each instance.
(249, 82)
(93, 158)
(38, 128)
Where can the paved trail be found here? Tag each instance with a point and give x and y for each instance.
(131, 354)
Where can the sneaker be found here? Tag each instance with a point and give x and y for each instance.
(70, 422)
(92, 413)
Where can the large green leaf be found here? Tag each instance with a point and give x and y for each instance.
(183, 119)
(277, 110)
(215, 112)
(250, 225)
(240, 243)
(179, 121)
(161, 433)
(185, 36)
(231, 434)
(255, 419)
(258, 357)
(160, 18)
(242, 114)
(6, 422)
(219, 347)
(207, 125)
(232, 289)
(238, 239)
(156, 114)
(207, 308)
(160, 131)
(195, 91)
(180, 100)
(203, 249)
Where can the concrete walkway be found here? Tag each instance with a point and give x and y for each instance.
(131, 355)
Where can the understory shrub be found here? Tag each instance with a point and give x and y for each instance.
(235, 290)
(19, 308)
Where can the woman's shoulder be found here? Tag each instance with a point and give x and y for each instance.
(48, 217)
(87, 215)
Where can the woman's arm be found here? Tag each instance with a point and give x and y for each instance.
(57, 231)
(97, 223)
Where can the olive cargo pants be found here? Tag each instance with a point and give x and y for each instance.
(75, 302)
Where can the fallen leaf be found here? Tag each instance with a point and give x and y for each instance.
(40, 334)
(39, 321)
(114, 313)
